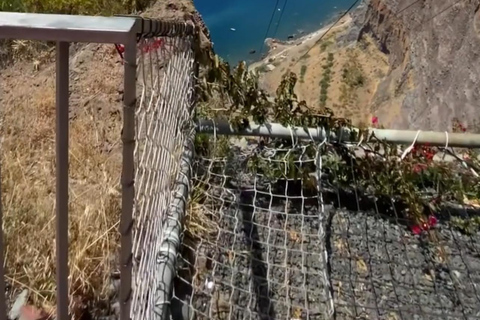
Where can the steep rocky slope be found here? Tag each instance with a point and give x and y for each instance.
(433, 48)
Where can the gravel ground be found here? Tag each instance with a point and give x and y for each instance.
(267, 263)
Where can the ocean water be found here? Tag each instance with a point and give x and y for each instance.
(250, 19)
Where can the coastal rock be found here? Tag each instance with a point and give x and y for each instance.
(270, 67)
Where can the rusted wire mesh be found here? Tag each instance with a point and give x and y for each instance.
(326, 247)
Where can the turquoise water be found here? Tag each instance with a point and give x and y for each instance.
(250, 19)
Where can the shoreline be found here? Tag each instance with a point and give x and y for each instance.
(280, 48)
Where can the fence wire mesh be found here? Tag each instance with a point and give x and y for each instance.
(321, 246)
(163, 118)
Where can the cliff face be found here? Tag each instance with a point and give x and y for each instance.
(433, 48)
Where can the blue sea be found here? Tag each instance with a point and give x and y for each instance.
(250, 20)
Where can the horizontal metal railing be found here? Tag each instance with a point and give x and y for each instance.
(277, 130)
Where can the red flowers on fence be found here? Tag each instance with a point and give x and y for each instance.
(425, 226)
(154, 45)
(145, 46)
(426, 154)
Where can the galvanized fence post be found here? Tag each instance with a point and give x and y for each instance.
(128, 172)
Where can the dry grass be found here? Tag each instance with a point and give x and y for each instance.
(28, 157)
(199, 223)
(28, 180)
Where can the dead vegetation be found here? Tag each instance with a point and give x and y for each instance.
(28, 177)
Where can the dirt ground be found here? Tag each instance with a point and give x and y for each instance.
(307, 57)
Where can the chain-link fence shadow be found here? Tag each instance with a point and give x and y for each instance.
(261, 241)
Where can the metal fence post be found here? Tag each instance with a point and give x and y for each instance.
(62, 119)
(3, 304)
(128, 190)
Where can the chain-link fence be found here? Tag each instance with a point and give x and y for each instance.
(163, 123)
(282, 230)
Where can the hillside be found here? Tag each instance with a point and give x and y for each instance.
(419, 62)
(334, 70)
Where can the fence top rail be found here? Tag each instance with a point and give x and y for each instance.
(405, 137)
(75, 28)
(163, 28)
(70, 28)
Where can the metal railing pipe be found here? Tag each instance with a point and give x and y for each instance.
(277, 130)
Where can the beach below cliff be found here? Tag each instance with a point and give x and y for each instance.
(292, 50)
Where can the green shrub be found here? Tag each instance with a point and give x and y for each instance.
(325, 44)
(303, 70)
(327, 77)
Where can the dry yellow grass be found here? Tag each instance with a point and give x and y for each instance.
(199, 223)
(28, 176)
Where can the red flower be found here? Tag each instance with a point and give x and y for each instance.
(416, 230)
(154, 45)
(374, 120)
(432, 222)
(429, 155)
(417, 168)
(459, 126)
(157, 43)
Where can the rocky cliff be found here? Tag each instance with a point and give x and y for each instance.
(433, 48)
(183, 10)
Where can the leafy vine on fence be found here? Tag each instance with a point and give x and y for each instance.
(417, 184)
